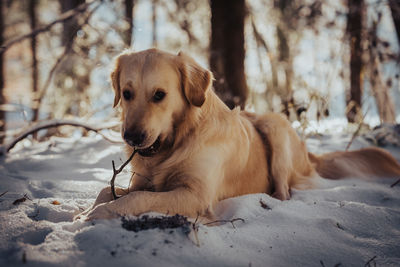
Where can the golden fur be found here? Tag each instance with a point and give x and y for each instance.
(208, 152)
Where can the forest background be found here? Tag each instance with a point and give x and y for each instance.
(311, 60)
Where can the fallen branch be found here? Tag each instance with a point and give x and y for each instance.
(395, 183)
(20, 200)
(355, 134)
(264, 205)
(2, 194)
(116, 172)
(63, 17)
(195, 228)
(51, 124)
(369, 262)
(226, 221)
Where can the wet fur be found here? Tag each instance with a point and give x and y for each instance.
(209, 152)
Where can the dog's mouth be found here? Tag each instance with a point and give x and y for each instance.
(151, 150)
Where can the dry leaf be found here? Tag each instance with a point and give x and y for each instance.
(55, 202)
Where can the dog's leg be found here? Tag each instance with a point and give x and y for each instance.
(179, 201)
(104, 196)
(281, 169)
(280, 179)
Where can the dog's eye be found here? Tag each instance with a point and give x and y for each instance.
(127, 95)
(158, 96)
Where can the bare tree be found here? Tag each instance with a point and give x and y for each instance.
(227, 51)
(154, 22)
(2, 84)
(379, 87)
(395, 9)
(70, 26)
(272, 84)
(129, 4)
(77, 80)
(354, 30)
(35, 67)
(285, 57)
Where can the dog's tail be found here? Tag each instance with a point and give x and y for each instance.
(367, 162)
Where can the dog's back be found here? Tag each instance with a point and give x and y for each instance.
(290, 165)
(287, 156)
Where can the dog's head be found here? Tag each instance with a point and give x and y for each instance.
(155, 90)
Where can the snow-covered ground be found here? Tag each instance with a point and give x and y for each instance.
(349, 222)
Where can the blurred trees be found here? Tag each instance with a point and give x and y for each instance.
(354, 29)
(288, 21)
(75, 72)
(379, 87)
(395, 9)
(127, 35)
(2, 99)
(71, 26)
(227, 51)
(291, 23)
(367, 54)
(60, 68)
(154, 4)
(35, 68)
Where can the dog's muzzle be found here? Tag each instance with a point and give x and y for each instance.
(151, 150)
(134, 138)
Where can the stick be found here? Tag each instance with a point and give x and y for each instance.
(395, 183)
(51, 124)
(226, 221)
(369, 262)
(355, 134)
(195, 230)
(116, 172)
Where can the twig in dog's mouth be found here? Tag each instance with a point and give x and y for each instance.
(116, 172)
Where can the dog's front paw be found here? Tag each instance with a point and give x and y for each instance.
(102, 211)
(82, 215)
(282, 195)
(78, 217)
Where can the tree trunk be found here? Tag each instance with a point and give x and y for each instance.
(2, 83)
(383, 100)
(75, 94)
(154, 22)
(395, 8)
(285, 60)
(272, 84)
(227, 51)
(70, 26)
(381, 91)
(354, 31)
(35, 69)
(129, 18)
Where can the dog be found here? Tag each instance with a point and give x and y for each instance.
(193, 151)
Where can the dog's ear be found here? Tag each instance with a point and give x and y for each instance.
(195, 80)
(115, 82)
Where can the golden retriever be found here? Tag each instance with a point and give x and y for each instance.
(194, 151)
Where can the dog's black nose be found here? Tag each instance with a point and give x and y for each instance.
(134, 138)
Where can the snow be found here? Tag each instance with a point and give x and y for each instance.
(349, 221)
